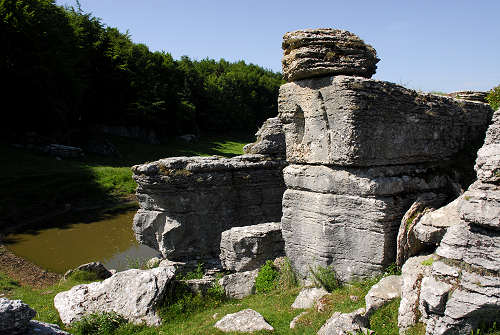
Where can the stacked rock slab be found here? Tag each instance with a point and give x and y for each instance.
(462, 292)
(187, 202)
(360, 152)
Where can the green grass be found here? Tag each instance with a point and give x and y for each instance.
(34, 187)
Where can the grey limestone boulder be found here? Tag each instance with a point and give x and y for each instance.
(42, 328)
(15, 316)
(321, 52)
(187, 202)
(353, 121)
(387, 289)
(270, 139)
(247, 248)
(308, 297)
(93, 267)
(133, 294)
(245, 321)
(346, 323)
(239, 285)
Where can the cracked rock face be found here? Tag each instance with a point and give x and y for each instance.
(133, 294)
(187, 202)
(321, 52)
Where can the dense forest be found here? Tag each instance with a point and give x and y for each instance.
(64, 71)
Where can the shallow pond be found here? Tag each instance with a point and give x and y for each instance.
(110, 241)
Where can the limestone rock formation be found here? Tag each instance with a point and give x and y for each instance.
(308, 297)
(133, 294)
(15, 316)
(469, 95)
(187, 202)
(246, 321)
(239, 285)
(247, 248)
(36, 327)
(387, 289)
(346, 323)
(321, 52)
(353, 121)
(270, 139)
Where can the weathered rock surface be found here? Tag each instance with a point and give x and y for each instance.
(469, 95)
(246, 321)
(349, 217)
(247, 248)
(387, 289)
(42, 328)
(308, 297)
(320, 52)
(412, 273)
(410, 241)
(93, 267)
(346, 323)
(15, 316)
(239, 285)
(270, 139)
(187, 202)
(133, 294)
(353, 121)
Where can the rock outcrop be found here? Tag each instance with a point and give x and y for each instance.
(133, 294)
(246, 321)
(247, 248)
(322, 52)
(270, 140)
(361, 151)
(187, 202)
(15, 316)
(469, 95)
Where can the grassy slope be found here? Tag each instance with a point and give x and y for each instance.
(34, 186)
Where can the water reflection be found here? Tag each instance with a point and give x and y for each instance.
(110, 241)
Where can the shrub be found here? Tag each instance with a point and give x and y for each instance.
(196, 274)
(325, 277)
(267, 279)
(287, 279)
(494, 97)
(98, 324)
(392, 269)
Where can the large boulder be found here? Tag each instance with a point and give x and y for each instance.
(245, 321)
(133, 294)
(15, 316)
(187, 202)
(308, 297)
(321, 52)
(354, 121)
(247, 248)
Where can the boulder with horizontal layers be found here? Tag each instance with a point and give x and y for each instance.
(321, 52)
(133, 294)
(247, 248)
(187, 202)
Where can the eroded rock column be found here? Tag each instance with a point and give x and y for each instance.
(360, 152)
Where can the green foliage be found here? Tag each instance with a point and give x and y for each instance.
(325, 277)
(195, 274)
(392, 269)
(493, 97)
(267, 279)
(83, 276)
(385, 320)
(98, 324)
(428, 261)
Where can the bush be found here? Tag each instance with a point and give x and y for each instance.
(267, 279)
(325, 277)
(288, 279)
(494, 97)
(98, 324)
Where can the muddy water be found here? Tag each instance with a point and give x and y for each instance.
(110, 241)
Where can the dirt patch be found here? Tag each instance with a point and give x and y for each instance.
(25, 272)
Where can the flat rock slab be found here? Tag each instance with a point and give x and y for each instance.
(133, 294)
(247, 248)
(387, 289)
(321, 52)
(308, 297)
(246, 321)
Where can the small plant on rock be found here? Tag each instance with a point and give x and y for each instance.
(267, 279)
(99, 324)
(493, 97)
(288, 279)
(325, 277)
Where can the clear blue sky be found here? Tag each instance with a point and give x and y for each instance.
(443, 45)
